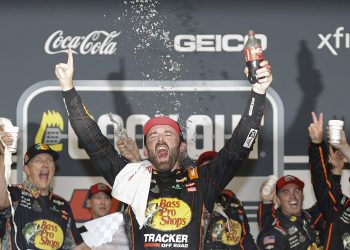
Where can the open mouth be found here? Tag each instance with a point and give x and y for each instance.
(44, 174)
(162, 151)
(293, 204)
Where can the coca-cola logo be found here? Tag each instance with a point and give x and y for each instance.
(97, 42)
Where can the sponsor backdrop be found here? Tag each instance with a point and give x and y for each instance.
(180, 58)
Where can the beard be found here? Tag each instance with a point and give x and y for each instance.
(164, 165)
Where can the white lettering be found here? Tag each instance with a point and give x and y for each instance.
(97, 42)
(339, 39)
(166, 238)
(214, 43)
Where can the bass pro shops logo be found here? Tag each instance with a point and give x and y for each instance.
(167, 214)
(43, 234)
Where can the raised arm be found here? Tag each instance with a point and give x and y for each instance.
(266, 209)
(326, 190)
(220, 171)
(102, 153)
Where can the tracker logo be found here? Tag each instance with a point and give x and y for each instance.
(214, 43)
(335, 41)
(96, 42)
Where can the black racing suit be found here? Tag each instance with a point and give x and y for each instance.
(43, 222)
(229, 235)
(287, 232)
(333, 203)
(176, 199)
(267, 214)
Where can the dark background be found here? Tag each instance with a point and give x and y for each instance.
(305, 77)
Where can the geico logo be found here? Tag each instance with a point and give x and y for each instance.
(213, 134)
(338, 38)
(214, 43)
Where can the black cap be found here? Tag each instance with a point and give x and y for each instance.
(37, 149)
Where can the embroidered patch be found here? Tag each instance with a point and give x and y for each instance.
(193, 173)
(250, 138)
(191, 189)
(268, 240)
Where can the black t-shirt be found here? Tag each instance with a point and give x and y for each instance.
(43, 222)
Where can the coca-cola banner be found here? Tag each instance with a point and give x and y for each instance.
(138, 58)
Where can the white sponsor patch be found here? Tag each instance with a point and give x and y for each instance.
(251, 107)
(250, 138)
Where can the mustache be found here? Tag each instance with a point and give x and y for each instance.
(161, 144)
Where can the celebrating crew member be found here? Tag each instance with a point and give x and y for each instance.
(100, 203)
(333, 203)
(229, 227)
(42, 219)
(167, 202)
(292, 227)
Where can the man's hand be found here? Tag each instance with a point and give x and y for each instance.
(316, 128)
(265, 77)
(128, 149)
(7, 138)
(270, 196)
(337, 160)
(64, 72)
(343, 145)
(342, 142)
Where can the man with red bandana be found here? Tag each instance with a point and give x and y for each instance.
(42, 219)
(176, 197)
(292, 227)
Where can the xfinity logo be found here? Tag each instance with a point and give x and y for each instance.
(97, 42)
(335, 41)
(214, 43)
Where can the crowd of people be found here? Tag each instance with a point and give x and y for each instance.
(168, 205)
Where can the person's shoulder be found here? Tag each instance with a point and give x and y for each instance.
(275, 228)
(17, 188)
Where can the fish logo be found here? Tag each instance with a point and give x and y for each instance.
(29, 231)
(151, 210)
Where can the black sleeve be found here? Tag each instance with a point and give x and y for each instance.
(73, 230)
(317, 217)
(2, 227)
(15, 193)
(248, 237)
(326, 190)
(266, 214)
(220, 171)
(101, 152)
